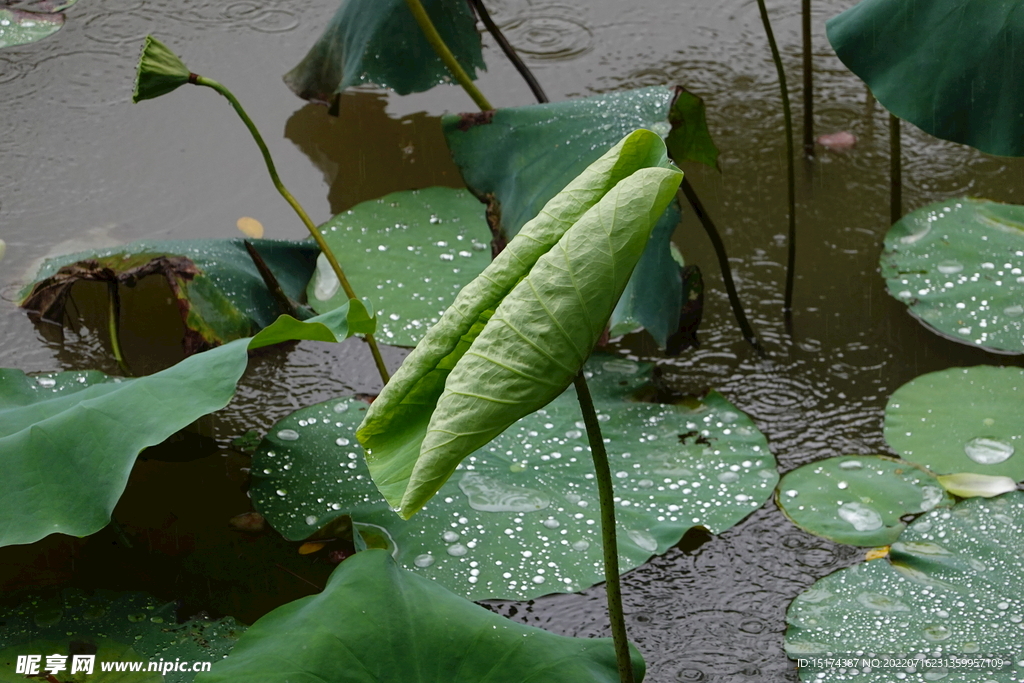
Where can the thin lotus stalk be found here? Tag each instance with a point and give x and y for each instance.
(325, 249)
(895, 170)
(808, 80)
(284, 302)
(509, 51)
(437, 42)
(723, 263)
(790, 164)
(609, 544)
(114, 325)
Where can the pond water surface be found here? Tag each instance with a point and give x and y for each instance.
(83, 167)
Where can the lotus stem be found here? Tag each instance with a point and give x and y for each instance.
(723, 263)
(808, 80)
(114, 325)
(294, 203)
(284, 302)
(790, 173)
(895, 170)
(437, 42)
(606, 495)
(509, 51)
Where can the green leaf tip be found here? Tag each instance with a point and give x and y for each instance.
(159, 72)
(518, 334)
(690, 139)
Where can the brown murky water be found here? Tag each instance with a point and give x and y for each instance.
(82, 166)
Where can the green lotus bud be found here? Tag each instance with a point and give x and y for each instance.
(160, 71)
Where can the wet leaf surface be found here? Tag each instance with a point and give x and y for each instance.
(408, 253)
(219, 291)
(388, 619)
(518, 158)
(959, 267)
(29, 22)
(858, 499)
(952, 586)
(379, 42)
(115, 627)
(519, 518)
(69, 440)
(961, 420)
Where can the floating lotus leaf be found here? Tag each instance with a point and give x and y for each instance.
(961, 420)
(30, 21)
(520, 157)
(953, 585)
(950, 67)
(959, 266)
(409, 253)
(858, 499)
(132, 628)
(69, 440)
(376, 622)
(379, 42)
(520, 517)
(220, 293)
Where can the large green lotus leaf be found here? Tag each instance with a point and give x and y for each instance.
(132, 628)
(953, 585)
(958, 266)
(220, 293)
(518, 334)
(518, 158)
(379, 42)
(961, 420)
(69, 440)
(520, 517)
(376, 622)
(409, 253)
(950, 67)
(858, 499)
(29, 22)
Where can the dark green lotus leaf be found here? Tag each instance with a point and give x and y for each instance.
(690, 139)
(115, 627)
(376, 622)
(520, 517)
(18, 26)
(958, 266)
(953, 585)
(950, 67)
(408, 253)
(379, 42)
(220, 293)
(961, 420)
(518, 158)
(858, 499)
(69, 440)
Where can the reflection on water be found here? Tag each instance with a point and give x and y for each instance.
(77, 158)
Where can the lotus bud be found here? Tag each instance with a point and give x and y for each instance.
(160, 71)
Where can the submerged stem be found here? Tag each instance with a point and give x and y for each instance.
(325, 249)
(895, 170)
(790, 173)
(437, 42)
(606, 495)
(114, 325)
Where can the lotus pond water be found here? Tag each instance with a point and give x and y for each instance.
(864, 410)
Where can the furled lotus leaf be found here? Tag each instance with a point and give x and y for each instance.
(159, 71)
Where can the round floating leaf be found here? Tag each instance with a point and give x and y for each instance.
(220, 293)
(518, 158)
(520, 517)
(954, 585)
(379, 42)
(18, 27)
(69, 440)
(959, 266)
(377, 622)
(961, 420)
(950, 67)
(858, 499)
(132, 628)
(408, 253)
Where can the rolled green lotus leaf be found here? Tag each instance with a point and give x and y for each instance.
(970, 485)
(517, 335)
(159, 72)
